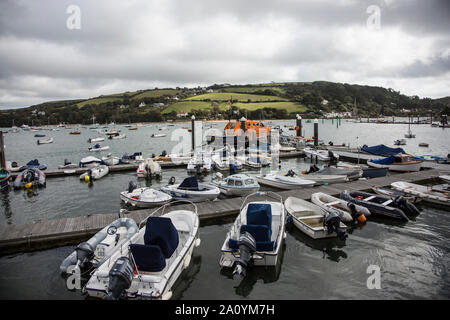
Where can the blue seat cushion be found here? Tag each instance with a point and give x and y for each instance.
(161, 232)
(259, 232)
(259, 214)
(148, 257)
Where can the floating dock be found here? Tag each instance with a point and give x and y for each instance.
(52, 233)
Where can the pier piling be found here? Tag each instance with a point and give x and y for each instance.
(316, 132)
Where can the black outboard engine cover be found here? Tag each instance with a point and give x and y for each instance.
(332, 223)
(164, 153)
(353, 211)
(247, 246)
(172, 180)
(66, 162)
(406, 206)
(290, 173)
(120, 278)
(85, 253)
(131, 186)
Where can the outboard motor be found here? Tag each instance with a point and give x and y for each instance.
(290, 173)
(247, 246)
(148, 171)
(120, 278)
(172, 180)
(332, 223)
(131, 186)
(85, 253)
(164, 153)
(355, 214)
(332, 157)
(66, 162)
(406, 206)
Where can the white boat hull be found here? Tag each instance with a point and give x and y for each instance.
(143, 198)
(273, 180)
(423, 192)
(413, 167)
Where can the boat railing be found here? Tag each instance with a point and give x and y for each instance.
(160, 211)
(269, 194)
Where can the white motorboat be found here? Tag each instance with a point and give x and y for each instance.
(435, 194)
(144, 197)
(158, 135)
(322, 155)
(224, 163)
(313, 220)
(134, 158)
(45, 141)
(148, 168)
(191, 190)
(318, 178)
(95, 173)
(400, 162)
(400, 142)
(276, 180)
(90, 162)
(90, 140)
(236, 185)
(201, 162)
(97, 147)
(117, 136)
(350, 173)
(346, 211)
(97, 249)
(148, 265)
(110, 160)
(257, 235)
(395, 193)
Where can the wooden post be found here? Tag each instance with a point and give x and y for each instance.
(2, 152)
(193, 132)
(316, 132)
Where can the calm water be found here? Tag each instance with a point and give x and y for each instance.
(413, 257)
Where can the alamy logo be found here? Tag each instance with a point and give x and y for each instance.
(374, 280)
(74, 279)
(373, 22)
(73, 22)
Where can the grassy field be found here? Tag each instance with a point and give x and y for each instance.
(279, 89)
(155, 93)
(224, 96)
(187, 106)
(288, 106)
(97, 101)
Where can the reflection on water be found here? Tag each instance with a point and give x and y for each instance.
(6, 204)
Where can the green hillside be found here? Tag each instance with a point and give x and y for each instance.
(268, 100)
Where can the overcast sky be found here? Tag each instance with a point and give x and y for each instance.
(131, 45)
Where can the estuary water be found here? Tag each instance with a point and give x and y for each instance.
(413, 257)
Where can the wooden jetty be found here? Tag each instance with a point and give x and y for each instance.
(52, 233)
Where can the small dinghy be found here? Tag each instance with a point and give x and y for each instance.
(396, 208)
(29, 178)
(117, 136)
(257, 235)
(428, 194)
(400, 162)
(276, 180)
(394, 193)
(256, 162)
(223, 163)
(90, 140)
(134, 158)
(201, 162)
(110, 160)
(235, 185)
(33, 164)
(39, 135)
(149, 169)
(345, 210)
(374, 172)
(97, 147)
(158, 135)
(191, 190)
(321, 155)
(89, 162)
(45, 141)
(148, 265)
(67, 165)
(144, 197)
(313, 220)
(351, 174)
(95, 251)
(95, 173)
(400, 142)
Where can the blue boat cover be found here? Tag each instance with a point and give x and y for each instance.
(190, 183)
(382, 150)
(388, 160)
(148, 257)
(161, 232)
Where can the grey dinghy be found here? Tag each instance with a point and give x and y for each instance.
(381, 205)
(97, 249)
(148, 264)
